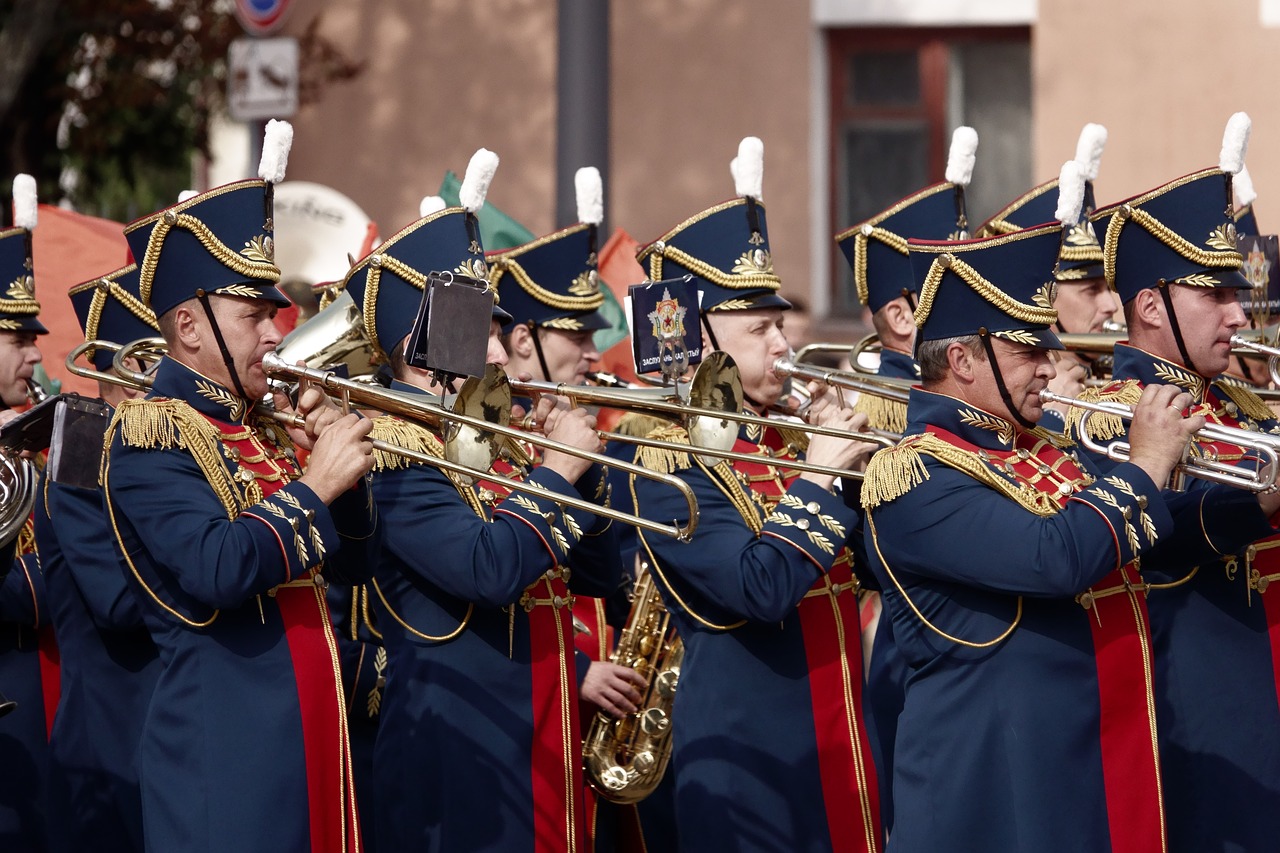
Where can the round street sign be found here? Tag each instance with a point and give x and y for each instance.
(261, 17)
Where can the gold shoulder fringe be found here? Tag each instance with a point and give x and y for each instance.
(167, 424)
(1105, 427)
(1249, 403)
(1058, 440)
(892, 473)
(665, 460)
(882, 413)
(640, 424)
(403, 434)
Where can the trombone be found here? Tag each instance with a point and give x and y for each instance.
(897, 390)
(1201, 467)
(471, 451)
(866, 344)
(1257, 348)
(708, 407)
(469, 431)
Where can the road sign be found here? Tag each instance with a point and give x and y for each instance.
(262, 78)
(261, 17)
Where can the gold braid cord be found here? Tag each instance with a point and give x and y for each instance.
(369, 311)
(1249, 403)
(233, 260)
(1230, 259)
(661, 459)
(712, 274)
(103, 289)
(988, 291)
(860, 240)
(1104, 427)
(559, 301)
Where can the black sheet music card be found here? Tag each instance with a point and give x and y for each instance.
(1262, 269)
(666, 336)
(32, 430)
(75, 446)
(450, 336)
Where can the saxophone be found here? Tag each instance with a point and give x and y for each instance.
(624, 759)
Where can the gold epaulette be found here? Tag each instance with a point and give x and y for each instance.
(1103, 427)
(662, 459)
(882, 413)
(893, 472)
(1058, 440)
(166, 424)
(513, 451)
(640, 424)
(404, 434)
(1249, 403)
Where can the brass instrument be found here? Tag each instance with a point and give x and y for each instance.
(624, 759)
(1201, 467)
(1256, 347)
(479, 415)
(866, 344)
(888, 387)
(708, 407)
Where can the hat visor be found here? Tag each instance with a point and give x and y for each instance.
(25, 323)
(768, 299)
(504, 319)
(592, 321)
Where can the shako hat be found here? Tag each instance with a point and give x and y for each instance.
(110, 308)
(18, 305)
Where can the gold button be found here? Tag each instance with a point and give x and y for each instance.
(803, 524)
(1064, 488)
(813, 507)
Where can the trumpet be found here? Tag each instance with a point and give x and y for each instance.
(470, 433)
(709, 407)
(1204, 467)
(1258, 348)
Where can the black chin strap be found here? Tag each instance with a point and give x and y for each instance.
(222, 347)
(537, 347)
(1004, 390)
(1163, 287)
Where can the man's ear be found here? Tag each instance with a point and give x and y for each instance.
(521, 341)
(961, 362)
(1148, 308)
(186, 327)
(900, 317)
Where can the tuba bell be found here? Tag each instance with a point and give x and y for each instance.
(624, 759)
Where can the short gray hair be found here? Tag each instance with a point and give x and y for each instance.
(932, 355)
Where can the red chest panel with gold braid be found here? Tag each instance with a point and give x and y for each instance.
(1045, 477)
(266, 463)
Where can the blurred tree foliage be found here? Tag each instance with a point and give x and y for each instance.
(105, 101)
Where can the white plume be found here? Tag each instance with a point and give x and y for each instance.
(1235, 141)
(590, 191)
(475, 183)
(1093, 138)
(1242, 185)
(748, 168)
(186, 194)
(1070, 193)
(430, 204)
(276, 142)
(963, 154)
(24, 202)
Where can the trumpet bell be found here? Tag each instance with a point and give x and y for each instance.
(483, 398)
(716, 385)
(332, 337)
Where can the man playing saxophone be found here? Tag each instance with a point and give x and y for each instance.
(770, 745)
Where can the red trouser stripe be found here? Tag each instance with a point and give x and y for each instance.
(50, 674)
(834, 652)
(556, 764)
(324, 742)
(1130, 759)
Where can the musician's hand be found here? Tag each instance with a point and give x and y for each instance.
(1158, 433)
(316, 408)
(341, 456)
(576, 427)
(1068, 380)
(613, 688)
(832, 451)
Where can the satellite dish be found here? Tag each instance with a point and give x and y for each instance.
(316, 228)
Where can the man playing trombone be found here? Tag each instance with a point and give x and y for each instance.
(244, 744)
(1172, 258)
(478, 746)
(770, 746)
(1009, 570)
